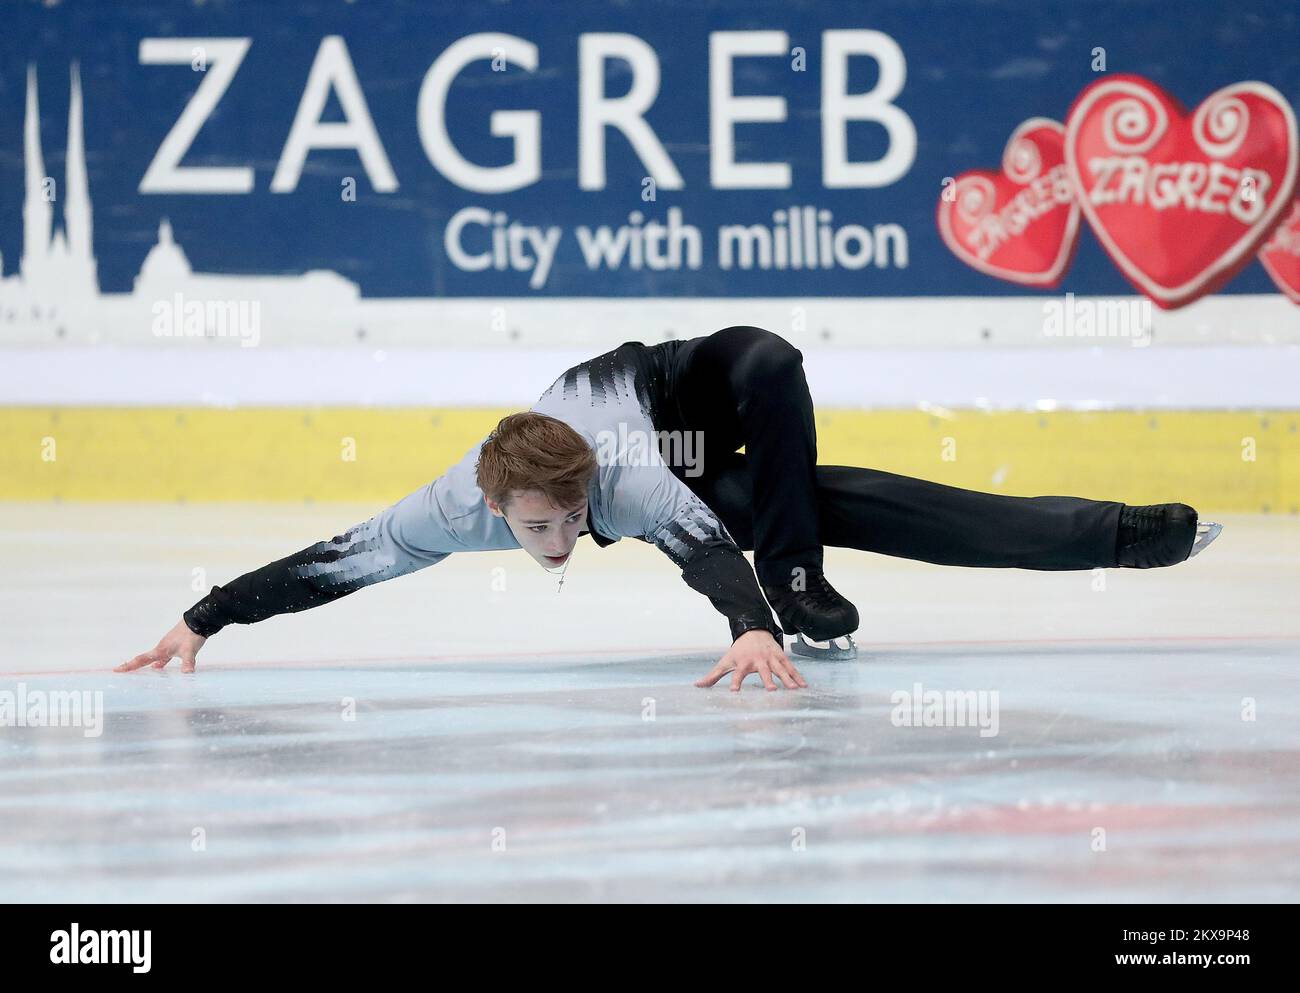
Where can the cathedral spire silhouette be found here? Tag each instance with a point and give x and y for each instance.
(62, 261)
(38, 213)
(76, 204)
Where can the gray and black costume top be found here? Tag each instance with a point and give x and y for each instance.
(634, 497)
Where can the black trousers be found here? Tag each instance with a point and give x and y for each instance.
(744, 386)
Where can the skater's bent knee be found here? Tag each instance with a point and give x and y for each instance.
(774, 358)
(762, 353)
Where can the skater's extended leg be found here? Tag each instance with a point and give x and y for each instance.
(916, 519)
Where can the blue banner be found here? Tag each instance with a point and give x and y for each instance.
(532, 149)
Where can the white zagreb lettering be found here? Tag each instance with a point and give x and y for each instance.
(1042, 195)
(522, 126)
(165, 174)
(333, 68)
(596, 112)
(1206, 187)
(839, 107)
(727, 110)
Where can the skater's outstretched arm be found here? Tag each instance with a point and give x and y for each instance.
(409, 535)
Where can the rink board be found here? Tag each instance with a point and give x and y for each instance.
(1220, 461)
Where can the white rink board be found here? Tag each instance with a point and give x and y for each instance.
(219, 373)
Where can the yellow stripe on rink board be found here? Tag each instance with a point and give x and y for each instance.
(202, 455)
(1220, 461)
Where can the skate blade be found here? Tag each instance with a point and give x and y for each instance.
(1206, 532)
(829, 652)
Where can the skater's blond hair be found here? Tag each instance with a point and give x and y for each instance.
(532, 451)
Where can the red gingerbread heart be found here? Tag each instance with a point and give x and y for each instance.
(1181, 202)
(1280, 255)
(1021, 224)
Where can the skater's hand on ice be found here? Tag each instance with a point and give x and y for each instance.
(180, 642)
(755, 651)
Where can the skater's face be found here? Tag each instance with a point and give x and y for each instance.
(546, 532)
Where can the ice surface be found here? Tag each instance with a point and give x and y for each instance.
(516, 744)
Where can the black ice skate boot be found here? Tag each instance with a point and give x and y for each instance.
(817, 613)
(1159, 535)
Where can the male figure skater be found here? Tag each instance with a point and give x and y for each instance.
(543, 478)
